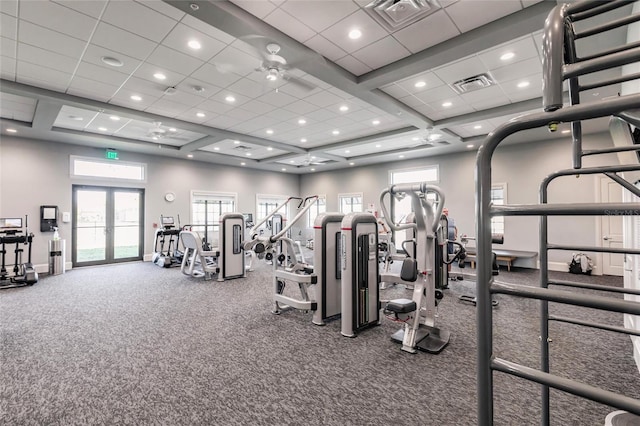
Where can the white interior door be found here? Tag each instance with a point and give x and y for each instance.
(611, 226)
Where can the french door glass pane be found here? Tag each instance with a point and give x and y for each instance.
(91, 225)
(126, 226)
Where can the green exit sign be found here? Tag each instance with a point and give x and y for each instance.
(112, 154)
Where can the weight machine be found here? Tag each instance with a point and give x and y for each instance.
(418, 269)
(24, 274)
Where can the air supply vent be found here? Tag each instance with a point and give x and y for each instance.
(396, 14)
(243, 148)
(471, 84)
(444, 143)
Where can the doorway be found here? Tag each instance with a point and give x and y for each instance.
(107, 225)
(611, 228)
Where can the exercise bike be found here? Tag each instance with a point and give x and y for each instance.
(24, 274)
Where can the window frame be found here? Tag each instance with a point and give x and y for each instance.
(315, 209)
(351, 195)
(104, 161)
(498, 220)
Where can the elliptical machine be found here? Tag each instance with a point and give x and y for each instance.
(24, 274)
(171, 256)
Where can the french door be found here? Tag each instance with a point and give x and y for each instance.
(107, 225)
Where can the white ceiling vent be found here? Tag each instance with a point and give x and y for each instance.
(396, 14)
(470, 84)
(243, 148)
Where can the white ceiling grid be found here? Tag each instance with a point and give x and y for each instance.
(216, 95)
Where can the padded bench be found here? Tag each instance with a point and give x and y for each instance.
(503, 255)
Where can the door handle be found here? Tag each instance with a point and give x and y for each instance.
(606, 238)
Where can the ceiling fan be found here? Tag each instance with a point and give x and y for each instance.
(312, 161)
(156, 132)
(275, 68)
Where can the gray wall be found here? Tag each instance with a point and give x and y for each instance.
(520, 166)
(34, 173)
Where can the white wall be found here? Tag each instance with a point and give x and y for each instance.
(520, 166)
(35, 173)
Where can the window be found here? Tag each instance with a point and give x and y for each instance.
(498, 198)
(319, 207)
(206, 209)
(83, 167)
(350, 202)
(268, 203)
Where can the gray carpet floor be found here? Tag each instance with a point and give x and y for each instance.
(138, 344)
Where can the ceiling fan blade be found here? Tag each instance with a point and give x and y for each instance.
(300, 83)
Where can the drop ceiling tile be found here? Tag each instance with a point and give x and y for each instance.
(162, 7)
(486, 94)
(289, 25)
(412, 101)
(515, 94)
(207, 29)
(222, 95)
(324, 99)
(339, 32)
(427, 32)
(214, 106)
(138, 19)
(301, 107)
(231, 59)
(339, 122)
(489, 103)
(58, 18)
(523, 48)
(188, 84)
(101, 74)
(455, 110)
(277, 99)
(517, 70)
(123, 98)
(146, 71)
(246, 87)
(175, 61)
(259, 9)
(181, 35)
(283, 115)
(7, 68)
(93, 54)
(436, 94)
(394, 90)
(468, 15)
(223, 122)
(51, 79)
(51, 40)
(319, 14)
(184, 97)
(298, 88)
(325, 47)
(144, 87)
(10, 7)
(122, 41)
(8, 47)
(382, 52)
(34, 55)
(190, 115)
(92, 89)
(168, 106)
(8, 26)
(464, 68)
(241, 114)
(527, 3)
(429, 78)
(92, 8)
(257, 107)
(17, 107)
(210, 74)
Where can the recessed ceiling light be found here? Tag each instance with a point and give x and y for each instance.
(200, 114)
(434, 136)
(102, 129)
(198, 89)
(194, 44)
(420, 84)
(355, 34)
(111, 61)
(115, 118)
(136, 98)
(283, 169)
(172, 129)
(378, 146)
(269, 148)
(302, 121)
(291, 161)
(313, 170)
(344, 108)
(160, 76)
(236, 142)
(12, 130)
(401, 156)
(269, 131)
(470, 145)
(566, 131)
(346, 151)
(352, 164)
(507, 56)
(303, 140)
(190, 155)
(375, 122)
(523, 84)
(477, 126)
(447, 104)
(230, 99)
(248, 154)
(336, 132)
(243, 164)
(415, 138)
(155, 138)
(216, 148)
(313, 157)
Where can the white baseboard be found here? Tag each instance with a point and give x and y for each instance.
(564, 267)
(147, 257)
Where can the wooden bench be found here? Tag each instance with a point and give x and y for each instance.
(503, 255)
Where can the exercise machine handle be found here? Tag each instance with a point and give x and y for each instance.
(293, 221)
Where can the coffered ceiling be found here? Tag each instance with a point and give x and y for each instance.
(280, 85)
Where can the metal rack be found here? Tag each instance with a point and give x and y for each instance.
(560, 62)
